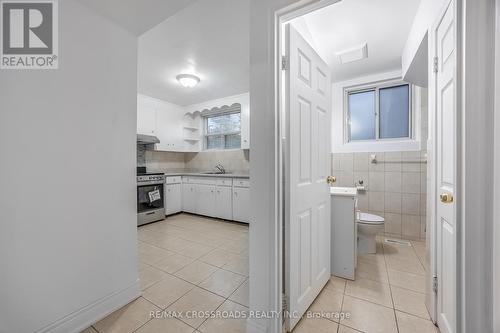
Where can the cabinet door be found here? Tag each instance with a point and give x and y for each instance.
(146, 119)
(205, 200)
(241, 204)
(173, 198)
(245, 122)
(188, 198)
(223, 203)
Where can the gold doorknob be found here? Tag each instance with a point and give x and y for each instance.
(331, 179)
(446, 197)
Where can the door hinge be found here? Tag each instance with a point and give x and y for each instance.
(435, 284)
(435, 64)
(284, 63)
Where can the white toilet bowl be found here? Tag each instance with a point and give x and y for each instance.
(369, 226)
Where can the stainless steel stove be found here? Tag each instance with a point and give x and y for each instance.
(150, 197)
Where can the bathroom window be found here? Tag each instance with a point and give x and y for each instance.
(223, 131)
(379, 112)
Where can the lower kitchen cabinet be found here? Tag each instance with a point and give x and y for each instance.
(189, 198)
(241, 204)
(224, 202)
(205, 200)
(215, 197)
(173, 198)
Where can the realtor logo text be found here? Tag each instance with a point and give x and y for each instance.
(29, 37)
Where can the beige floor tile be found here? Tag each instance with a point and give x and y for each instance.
(407, 280)
(226, 325)
(410, 302)
(327, 304)
(316, 325)
(372, 272)
(368, 317)
(374, 259)
(241, 294)
(173, 263)
(149, 275)
(345, 329)
(218, 257)
(89, 330)
(167, 291)
(370, 290)
(196, 272)
(165, 325)
(222, 282)
(175, 244)
(150, 254)
(336, 284)
(196, 250)
(238, 265)
(410, 265)
(128, 318)
(235, 246)
(197, 300)
(411, 324)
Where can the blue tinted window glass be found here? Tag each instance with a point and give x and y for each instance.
(362, 115)
(394, 112)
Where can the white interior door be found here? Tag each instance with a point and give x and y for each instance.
(307, 206)
(446, 121)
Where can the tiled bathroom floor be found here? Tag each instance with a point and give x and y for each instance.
(188, 262)
(387, 295)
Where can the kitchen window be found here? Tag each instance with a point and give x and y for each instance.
(380, 112)
(222, 131)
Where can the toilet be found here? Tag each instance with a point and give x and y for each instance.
(369, 225)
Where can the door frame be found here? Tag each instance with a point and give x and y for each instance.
(476, 101)
(281, 17)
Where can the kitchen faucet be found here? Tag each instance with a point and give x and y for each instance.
(220, 168)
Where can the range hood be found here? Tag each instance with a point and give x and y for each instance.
(147, 139)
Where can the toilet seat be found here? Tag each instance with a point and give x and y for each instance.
(371, 219)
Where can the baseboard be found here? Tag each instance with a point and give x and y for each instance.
(256, 326)
(86, 316)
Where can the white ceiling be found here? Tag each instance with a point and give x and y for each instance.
(210, 39)
(137, 16)
(383, 24)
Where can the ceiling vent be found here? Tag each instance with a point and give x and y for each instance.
(353, 54)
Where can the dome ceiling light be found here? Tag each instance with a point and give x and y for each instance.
(188, 80)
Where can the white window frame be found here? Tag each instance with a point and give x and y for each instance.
(376, 87)
(206, 135)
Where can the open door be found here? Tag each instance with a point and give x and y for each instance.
(446, 172)
(307, 194)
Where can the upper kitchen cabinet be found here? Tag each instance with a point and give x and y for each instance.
(161, 119)
(146, 115)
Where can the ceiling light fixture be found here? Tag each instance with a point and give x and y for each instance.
(188, 80)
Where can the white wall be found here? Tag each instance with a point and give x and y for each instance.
(338, 118)
(426, 15)
(67, 193)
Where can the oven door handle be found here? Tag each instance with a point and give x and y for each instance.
(150, 213)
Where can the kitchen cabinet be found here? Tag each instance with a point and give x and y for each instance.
(205, 200)
(146, 119)
(241, 204)
(173, 198)
(224, 203)
(189, 198)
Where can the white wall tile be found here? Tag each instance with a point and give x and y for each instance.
(393, 181)
(410, 182)
(393, 224)
(361, 161)
(376, 181)
(411, 226)
(376, 202)
(410, 204)
(392, 202)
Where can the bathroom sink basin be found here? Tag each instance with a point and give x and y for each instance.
(344, 191)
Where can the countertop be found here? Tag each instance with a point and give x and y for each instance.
(200, 174)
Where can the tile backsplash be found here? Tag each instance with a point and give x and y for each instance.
(395, 188)
(235, 161)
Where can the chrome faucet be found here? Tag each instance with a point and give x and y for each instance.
(220, 168)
